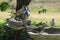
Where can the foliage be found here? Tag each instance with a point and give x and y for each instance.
(7, 33)
(4, 6)
(46, 24)
(34, 22)
(12, 11)
(1, 23)
(38, 23)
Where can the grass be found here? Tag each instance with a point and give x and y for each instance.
(53, 11)
(40, 37)
(4, 15)
(46, 18)
(49, 8)
(1, 23)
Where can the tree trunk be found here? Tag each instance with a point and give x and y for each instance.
(9, 33)
(18, 6)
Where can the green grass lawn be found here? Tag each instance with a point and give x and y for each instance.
(50, 8)
(1, 23)
(40, 37)
(46, 18)
(53, 11)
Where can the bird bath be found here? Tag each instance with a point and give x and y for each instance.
(53, 30)
(48, 31)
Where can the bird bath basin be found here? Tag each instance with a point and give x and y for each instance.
(49, 31)
(52, 30)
